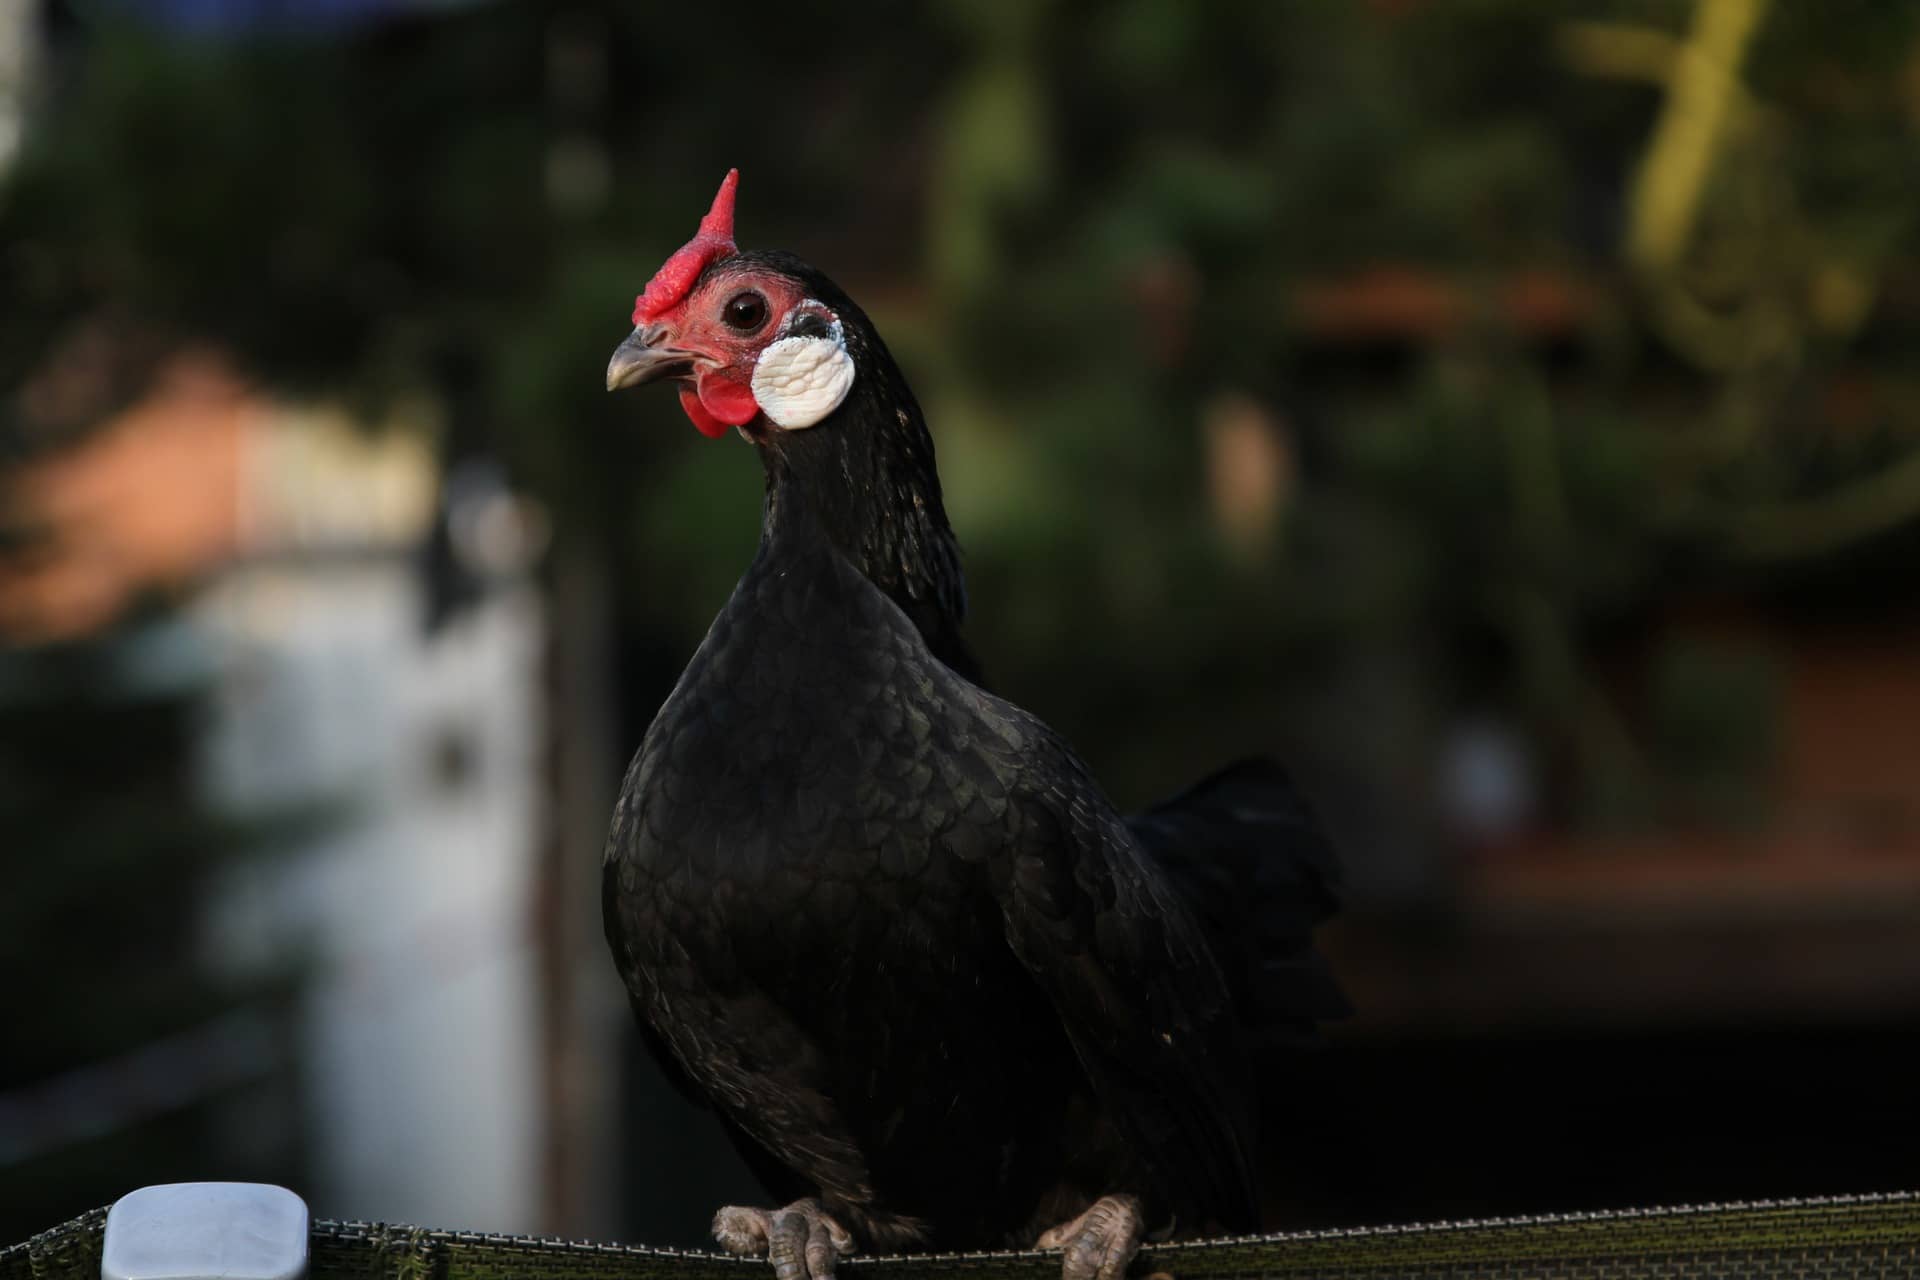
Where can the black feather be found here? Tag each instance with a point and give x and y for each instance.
(1252, 859)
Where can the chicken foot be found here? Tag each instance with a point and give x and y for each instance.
(802, 1240)
(1100, 1242)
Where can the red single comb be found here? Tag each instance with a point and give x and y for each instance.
(714, 240)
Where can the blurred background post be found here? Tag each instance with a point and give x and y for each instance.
(1504, 412)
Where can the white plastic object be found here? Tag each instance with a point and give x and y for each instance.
(206, 1231)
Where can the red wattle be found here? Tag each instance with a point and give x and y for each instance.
(708, 425)
(729, 401)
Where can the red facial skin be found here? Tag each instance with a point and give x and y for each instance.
(720, 392)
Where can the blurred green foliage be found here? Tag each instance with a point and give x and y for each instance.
(1081, 227)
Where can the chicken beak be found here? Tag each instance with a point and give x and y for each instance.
(645, 357)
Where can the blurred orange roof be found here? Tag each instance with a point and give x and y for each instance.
(151, 500)
(203, 471)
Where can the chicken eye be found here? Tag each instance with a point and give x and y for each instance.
(745, 312)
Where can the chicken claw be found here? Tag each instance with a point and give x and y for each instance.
(1100, 1242)
(802, 1240)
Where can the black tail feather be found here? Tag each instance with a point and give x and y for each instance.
(1246, 849)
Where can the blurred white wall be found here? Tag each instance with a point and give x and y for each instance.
(411, 900)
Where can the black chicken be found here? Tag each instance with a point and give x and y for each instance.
(886, 922)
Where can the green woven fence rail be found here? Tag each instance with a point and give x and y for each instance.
(1857, 1236)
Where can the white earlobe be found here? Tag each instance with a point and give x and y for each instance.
(798, 381)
